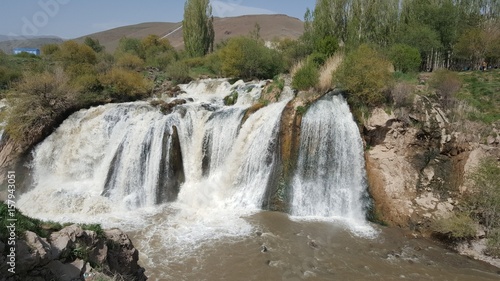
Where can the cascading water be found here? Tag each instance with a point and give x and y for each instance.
(330, 177)
(203, 166)
(201, 173)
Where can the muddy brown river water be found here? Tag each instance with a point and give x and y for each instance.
(280, 248)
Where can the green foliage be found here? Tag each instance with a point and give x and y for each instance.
(94, 44)
(50, 49)
(197, 27)
(72, 53)
(493, 243)
(246, 58)
(7, 76)
(24, 223)
(131, 46)
(480, 90)
(317, 59)
(306, 77)
(484, 199)
(405, 58)
(158, 52)
(125, 85)
(40, 99)
(178, 72)
(481, 205)
(130, 61)
(327, 45)
(456, 227)
(231, 99)
(292, 51)
(365, 75)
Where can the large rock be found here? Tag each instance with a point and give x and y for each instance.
(122, 256)
(32, 251)
(70, 252)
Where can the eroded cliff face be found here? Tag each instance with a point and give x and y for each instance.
(416, 163)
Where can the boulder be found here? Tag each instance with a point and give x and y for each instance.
(122, 256)
(63, 240)
(32, 252)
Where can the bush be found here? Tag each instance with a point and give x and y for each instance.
(306, 77)
(365, 75)
(493, 244)
(130, 62)
(71, 53)
(247, 58)
(447, 84)
(130, 45)
(484, 194)
(178, 72)
(40, 98)
(292, 51)
(456, 227)
(327, 46)
(124, 85)
(405, 58)
(402, 94)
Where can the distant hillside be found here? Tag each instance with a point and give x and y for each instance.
(8, 43)
(271, 26)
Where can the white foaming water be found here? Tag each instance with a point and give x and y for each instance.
(330, 176)
(107, 165)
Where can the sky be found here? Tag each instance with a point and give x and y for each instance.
(74, 18)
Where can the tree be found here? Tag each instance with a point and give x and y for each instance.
(247, 58)
(365, 75)
(198, 30)
(94, 44)
(405, 58)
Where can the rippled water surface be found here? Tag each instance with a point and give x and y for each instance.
(280, 248)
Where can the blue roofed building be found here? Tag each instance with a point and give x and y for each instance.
(33, 51)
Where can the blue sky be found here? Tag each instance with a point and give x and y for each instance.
(73, 18)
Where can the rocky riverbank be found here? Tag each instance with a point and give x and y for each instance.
(72, 254)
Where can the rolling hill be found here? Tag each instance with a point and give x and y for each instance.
(271, 26)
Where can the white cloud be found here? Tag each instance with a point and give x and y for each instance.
(233, 8)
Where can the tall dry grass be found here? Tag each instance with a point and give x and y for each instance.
(326, 72)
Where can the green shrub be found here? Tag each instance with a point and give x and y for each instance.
(247, 58)
(306, 77)
(130, 61)
(38, 99)
(456, 227)
(327, 46)
(178, 72)
(317, 58)
(405, 58)
(365, 75)
(493, 243)
(292, 51)
(484, 195)
(124, 85)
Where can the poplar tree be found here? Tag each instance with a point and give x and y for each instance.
(198, 30)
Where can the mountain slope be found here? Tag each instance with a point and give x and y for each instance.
(271, 26)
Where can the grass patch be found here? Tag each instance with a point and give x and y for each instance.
(41, 228)
(481, 91)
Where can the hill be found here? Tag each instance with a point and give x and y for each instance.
(7, 43)
(271, 26)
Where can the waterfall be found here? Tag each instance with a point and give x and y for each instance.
(205, 162)
(330, 175)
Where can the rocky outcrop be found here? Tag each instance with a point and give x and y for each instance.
(71, 253)
(416, 162)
